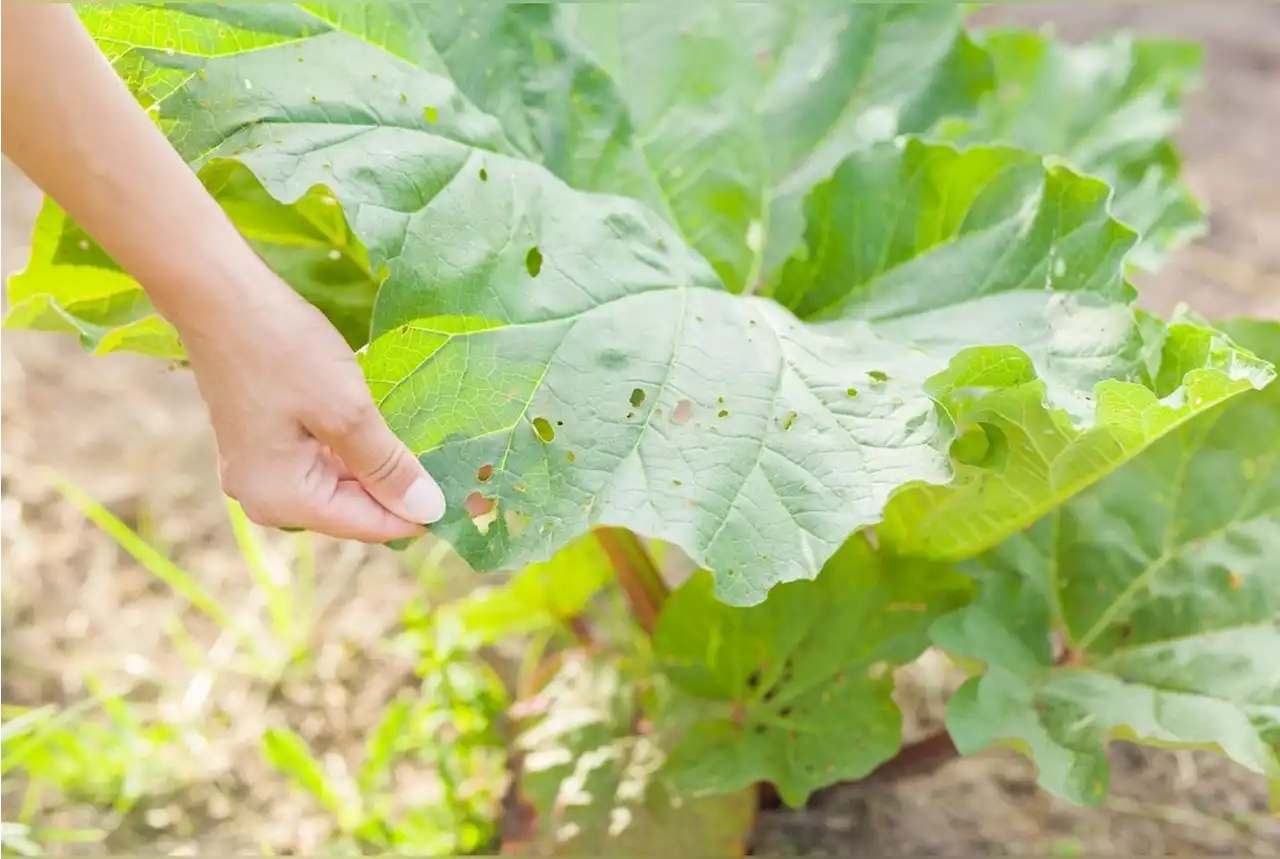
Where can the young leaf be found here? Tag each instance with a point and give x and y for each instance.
(803, 682)
(1109, 108)
(539, 597)
(592, 773)
(290, 755)
(1162, 581)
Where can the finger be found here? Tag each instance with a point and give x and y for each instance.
(381, 463)
(350, 513)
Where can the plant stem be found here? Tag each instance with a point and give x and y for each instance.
(638, 575)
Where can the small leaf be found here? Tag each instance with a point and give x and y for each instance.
(289, 754)
(806, 676)
(540, 597)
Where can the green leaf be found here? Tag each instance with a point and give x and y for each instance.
(1161, 580)
(592, 773)
(540, 597)
(1109, 108)
(70, 286)
(383, 743)
(801, 685)
(718, 115)
(519, 322)
(955, 248)
(290, 755)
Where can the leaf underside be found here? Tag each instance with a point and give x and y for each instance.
(943, 341)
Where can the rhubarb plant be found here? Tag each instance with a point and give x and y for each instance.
(831, 300)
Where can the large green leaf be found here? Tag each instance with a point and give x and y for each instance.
(797, 691)
(720, 115)
(565, 359)
(1109, 108)
(951, 249)
(1162, 582)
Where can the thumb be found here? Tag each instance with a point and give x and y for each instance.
(382, 464)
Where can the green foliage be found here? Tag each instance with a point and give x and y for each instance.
(1161, 581)
(380, 807)
(832, 298)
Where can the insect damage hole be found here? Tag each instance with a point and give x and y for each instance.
(477, 505)
(533, 261)
(683, 412)
(484, 473)
(878, 377)
(544, 430)
(482, 510)
(637, 398)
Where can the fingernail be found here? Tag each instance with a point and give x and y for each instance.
(424, 501)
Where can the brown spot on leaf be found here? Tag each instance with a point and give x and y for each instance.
(484, 473)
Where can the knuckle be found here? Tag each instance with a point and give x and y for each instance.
(344, 416)
(389, 466)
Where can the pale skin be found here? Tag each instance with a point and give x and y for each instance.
(300, 441)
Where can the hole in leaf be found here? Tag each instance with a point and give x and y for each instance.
(637, 398)
(533, 261)
(484, 473)
(723, 413)
(477, 505)
(787, 420)
(568, 454)
(851, 391)
(484, 175)
(432, 115)
(878, 376)
(683, 411)
(545, 431)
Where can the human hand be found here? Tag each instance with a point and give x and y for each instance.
(300, 442)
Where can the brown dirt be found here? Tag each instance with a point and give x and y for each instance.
(133, 435)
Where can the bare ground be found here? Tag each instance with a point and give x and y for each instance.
(133, 435)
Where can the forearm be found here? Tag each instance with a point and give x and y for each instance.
(73, 127)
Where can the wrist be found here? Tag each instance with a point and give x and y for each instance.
(214, 288)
